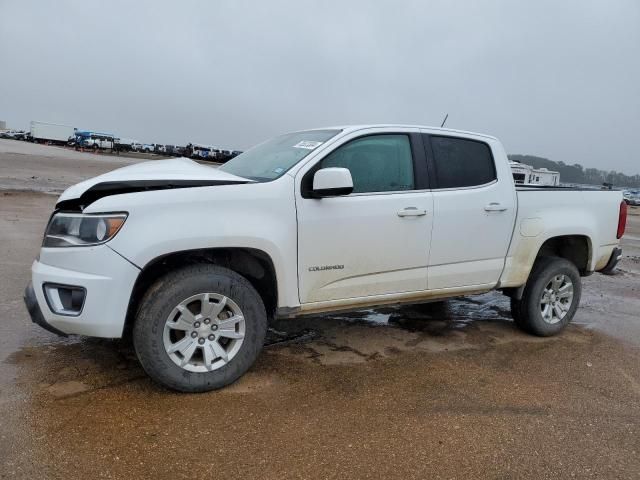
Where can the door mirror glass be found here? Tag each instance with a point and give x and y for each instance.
(332, 182)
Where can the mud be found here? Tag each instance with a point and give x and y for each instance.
(443, 390)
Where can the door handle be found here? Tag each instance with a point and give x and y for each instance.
(494, 207)
(411, 212)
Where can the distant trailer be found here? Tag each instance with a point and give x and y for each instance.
(542, 176)
(527, 175)
(42, 132)
(521, 172)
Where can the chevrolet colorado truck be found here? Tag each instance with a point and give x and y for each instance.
(194, 260)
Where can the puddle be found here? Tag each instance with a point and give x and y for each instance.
(277, 337)
(70, 367)
(372, 334)
(436, 317)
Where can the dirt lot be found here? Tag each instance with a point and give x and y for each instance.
(447, 390)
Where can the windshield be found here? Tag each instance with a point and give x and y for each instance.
(271, 159)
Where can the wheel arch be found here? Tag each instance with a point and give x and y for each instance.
(578, 249)
(253, 264)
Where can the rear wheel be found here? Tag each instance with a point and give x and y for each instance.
(550, 298)
(199, 328)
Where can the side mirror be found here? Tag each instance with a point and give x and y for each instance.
(332, 182)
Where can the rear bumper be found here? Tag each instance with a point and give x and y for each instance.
(616, 255)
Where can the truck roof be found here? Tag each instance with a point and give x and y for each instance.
(353, 128)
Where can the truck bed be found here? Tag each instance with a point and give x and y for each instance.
(544, 213)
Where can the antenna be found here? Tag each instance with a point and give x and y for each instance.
(445, 120)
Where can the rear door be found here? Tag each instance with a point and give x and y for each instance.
(474, 211)
(374, 241)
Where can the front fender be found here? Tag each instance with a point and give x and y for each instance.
(259, 216)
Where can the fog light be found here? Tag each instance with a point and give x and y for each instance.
(64, 299)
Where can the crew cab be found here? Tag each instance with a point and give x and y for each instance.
(195, 260)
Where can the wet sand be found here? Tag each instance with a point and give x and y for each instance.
(446, 390)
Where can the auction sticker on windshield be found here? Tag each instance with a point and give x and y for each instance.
(308, 144)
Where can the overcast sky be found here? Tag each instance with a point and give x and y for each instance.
(559, 79)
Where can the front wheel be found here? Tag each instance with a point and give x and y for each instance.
(199, 328)
(550, 298)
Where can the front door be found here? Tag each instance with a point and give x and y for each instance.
(374, 241)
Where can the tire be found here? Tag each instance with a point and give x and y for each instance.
(553, 280)
(163, 315)
(515, 312)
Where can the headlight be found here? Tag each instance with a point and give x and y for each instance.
(81, 230)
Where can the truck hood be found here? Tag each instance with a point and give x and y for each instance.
(152, 175)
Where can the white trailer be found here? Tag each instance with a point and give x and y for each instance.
(524, 174)
(521, 172)
(543, 176)
(51, 132)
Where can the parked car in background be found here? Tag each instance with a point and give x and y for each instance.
(124, 144)
(148, 147)
(632, 197)
(202, 152)
(14, 134)
(168, 150)
(224, 155)
(178, 151)
(95, 140)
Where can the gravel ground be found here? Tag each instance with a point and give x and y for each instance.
(449, 390)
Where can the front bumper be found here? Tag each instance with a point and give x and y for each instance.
(34, 311)
(107, 278)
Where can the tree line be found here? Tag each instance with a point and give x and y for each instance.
(578, 174)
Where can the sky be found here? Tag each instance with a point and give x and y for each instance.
(557, 79)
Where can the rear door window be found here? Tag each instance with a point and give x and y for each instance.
(460, 162)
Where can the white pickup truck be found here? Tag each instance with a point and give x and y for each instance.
(195, 259)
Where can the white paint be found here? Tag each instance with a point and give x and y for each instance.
(531, 227)
(454, 242)
(332, 178)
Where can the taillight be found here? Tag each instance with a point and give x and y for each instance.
(622, 219)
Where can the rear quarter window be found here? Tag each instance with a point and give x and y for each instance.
(460, 162)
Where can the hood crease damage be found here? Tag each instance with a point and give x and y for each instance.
(106, 189)
(144, 177)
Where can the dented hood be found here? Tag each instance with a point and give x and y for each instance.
(152, 175)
